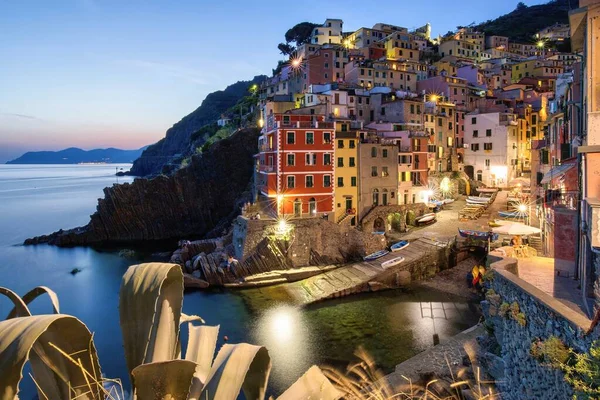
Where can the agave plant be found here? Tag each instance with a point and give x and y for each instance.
(65, 365)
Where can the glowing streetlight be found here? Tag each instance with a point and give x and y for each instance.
(347, 43)
(282, 226)
(434, 98)
(296, 62)
(522, 208)
(261, 123)
(540, 44)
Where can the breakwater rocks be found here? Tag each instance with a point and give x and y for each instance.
(189, 203)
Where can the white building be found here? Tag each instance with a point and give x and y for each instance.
(491, 147)
(329, 32)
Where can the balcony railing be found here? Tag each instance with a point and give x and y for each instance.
(266, 168)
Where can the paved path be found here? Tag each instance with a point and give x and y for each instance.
(352, 278)
(437, 360)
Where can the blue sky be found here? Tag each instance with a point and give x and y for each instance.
(100, 73)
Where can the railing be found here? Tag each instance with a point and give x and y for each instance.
(265, 147)
(266, 168)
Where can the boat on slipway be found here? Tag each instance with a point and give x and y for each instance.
(392, 262)
(425, 219)
(376, 255)
(480, 235)
(399, 245)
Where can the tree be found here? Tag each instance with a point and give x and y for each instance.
(285, 49)
(521, 6)
(300, 33)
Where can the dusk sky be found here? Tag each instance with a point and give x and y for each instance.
(96, 73)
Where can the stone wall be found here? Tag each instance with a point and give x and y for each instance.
(309, 238)
(518, 374)
(382, 212)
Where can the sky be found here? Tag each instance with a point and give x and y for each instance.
(113, 73)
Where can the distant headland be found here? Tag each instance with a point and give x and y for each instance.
(74, 155)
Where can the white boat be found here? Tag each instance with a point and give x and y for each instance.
(425, 218)
(448, 201)
(487, 190)
(478, 200)
(392, 262)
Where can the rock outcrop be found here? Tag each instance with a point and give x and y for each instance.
(188, 203)
(177, 139)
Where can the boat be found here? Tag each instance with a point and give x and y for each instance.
(487, 190)
(426, 218)
(467, 233)
(376, 255)
(479, 199)
(498, 222)
(378, 233)
(399, 246)
(511, 214)
(392, 262)
(448, 201)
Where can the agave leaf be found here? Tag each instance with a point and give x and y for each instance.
(33, 294)
(312, 385)
(20, 309)
(167, 380)
(201, 350)
(240, 366)
(150, 304)
(56, 376)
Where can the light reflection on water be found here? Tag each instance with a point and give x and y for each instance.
(392, 326)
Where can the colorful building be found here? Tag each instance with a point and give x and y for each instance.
(347, 142)
(295, 167)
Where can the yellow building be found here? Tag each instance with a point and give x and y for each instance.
(522, 70)
(346, 172)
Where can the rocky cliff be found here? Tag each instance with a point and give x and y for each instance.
(204, 195)
(177, 139)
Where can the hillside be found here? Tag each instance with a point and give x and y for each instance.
(522, 23)
(75, 155)
(177, 139)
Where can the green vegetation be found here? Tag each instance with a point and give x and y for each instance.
(582, 372)
(522, 23)
(551, 351)
(296, 36)
(205, 132)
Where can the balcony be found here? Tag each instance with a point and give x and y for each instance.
(404, 149)
(265, 147)
(266, 168)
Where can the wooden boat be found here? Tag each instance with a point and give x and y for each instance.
(448, 201)
(467, 233)
(399, 246)
(424, 219)
(376, 255)
(392, 262)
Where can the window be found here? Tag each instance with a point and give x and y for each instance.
(340, 181)
(440, 122)
(450, 141)
(487, 162)
(475, 133)
(375, 197)
(384, 153)
(488, 132)
(340, 162)
(384, 171)
(291, 181)
(326, 159)
(353, 181)
(286, 119)
(487, 146)
(291, 159)
(373, 152)
(326, 137)
(311, 159)
(326, 180)
(382, 110)
(340, 144)
(474, 146)
(473, 120)
(309, 181)
(373, 171)
(352, 163)
(352, 144)
(310, 138)
(291, 138)
(412, 108)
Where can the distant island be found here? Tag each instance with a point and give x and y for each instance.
(74, 155)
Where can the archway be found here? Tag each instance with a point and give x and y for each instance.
(469, 170)
(379, 225)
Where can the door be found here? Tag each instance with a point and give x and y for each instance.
(348, 204)
(297, 208)
(312, 206)
(384, 198)
(405, 198)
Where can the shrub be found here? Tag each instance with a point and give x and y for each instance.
(504, 307)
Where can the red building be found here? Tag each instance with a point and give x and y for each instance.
(295, 164)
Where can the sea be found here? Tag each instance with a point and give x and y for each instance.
(39, 199)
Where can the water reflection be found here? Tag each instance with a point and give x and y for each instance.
(285, 331)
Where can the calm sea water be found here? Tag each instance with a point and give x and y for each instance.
(36, 200)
